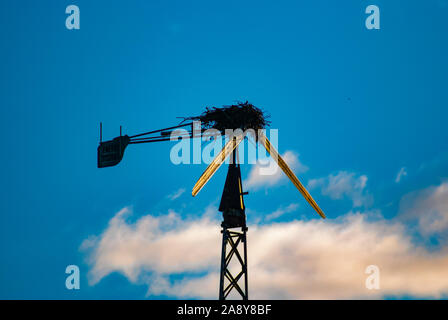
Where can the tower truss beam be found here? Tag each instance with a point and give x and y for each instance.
(230, 252)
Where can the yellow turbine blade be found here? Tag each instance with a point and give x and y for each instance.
(216, 163)
(282, 164)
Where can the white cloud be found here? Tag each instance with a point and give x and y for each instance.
(162, 245)
(257, 179)
(344, 184)
(176, 194)
(402, 173)
(281, 211)
(317, 259)
(429, 207)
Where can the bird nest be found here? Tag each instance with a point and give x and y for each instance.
(242, 115)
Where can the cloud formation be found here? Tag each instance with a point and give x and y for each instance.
(163, 245)
(429, 207)
(344, 184)
(402, 173)
(281, 211)
(293, 260)
(256, 179)
(176, 194)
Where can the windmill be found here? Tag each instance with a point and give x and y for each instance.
(241, 116)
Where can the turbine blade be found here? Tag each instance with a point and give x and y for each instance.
(216, 163)
(282, 164)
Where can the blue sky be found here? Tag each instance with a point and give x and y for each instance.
(351, 102)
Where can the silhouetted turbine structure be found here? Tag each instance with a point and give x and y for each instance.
(241, 116)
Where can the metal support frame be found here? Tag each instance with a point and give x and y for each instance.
(231, 239)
